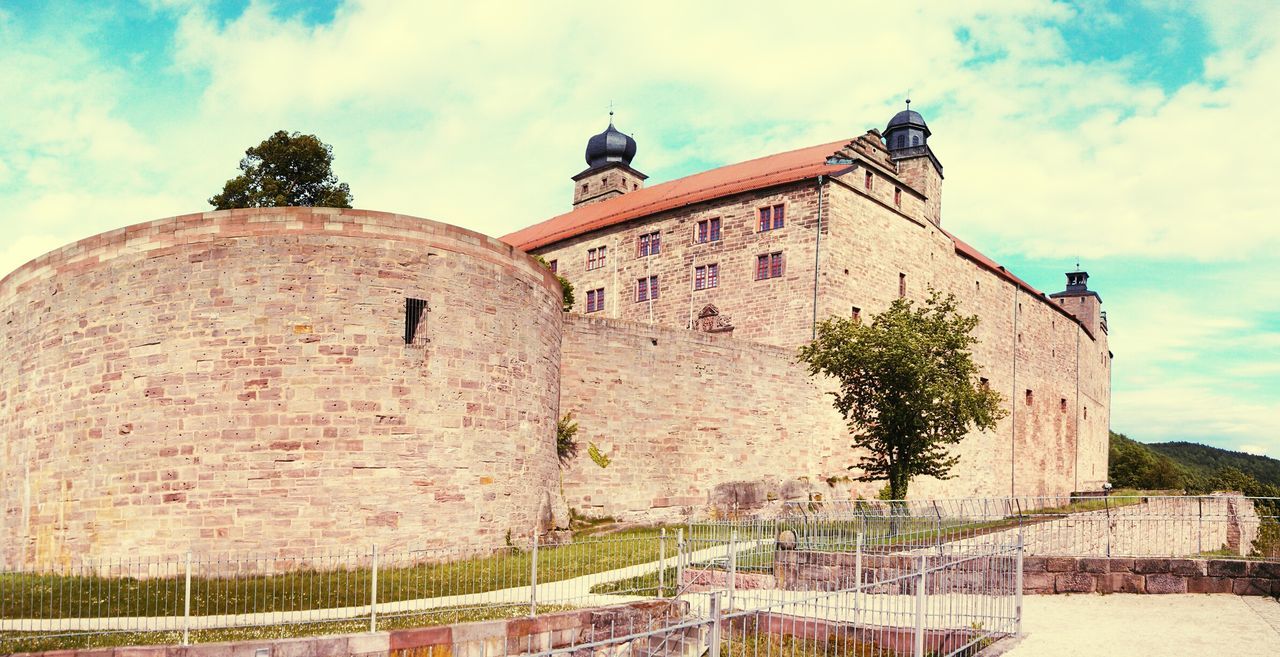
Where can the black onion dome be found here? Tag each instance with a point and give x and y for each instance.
(906, 118)
(610, 146)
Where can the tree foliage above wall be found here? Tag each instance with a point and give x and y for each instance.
(285, 170)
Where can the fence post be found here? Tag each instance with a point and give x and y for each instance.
(662, 561)
(1107, 506)
(733, 565)
(918, 650)
(533, 577)
(714, 636)
(1017, 591)
(186, 605)
(1200, 527)
(857, 574)
(373, 591)
(680, 557)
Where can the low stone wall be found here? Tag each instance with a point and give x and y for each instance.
(483, 639)
(1149, 575)
(803, 570)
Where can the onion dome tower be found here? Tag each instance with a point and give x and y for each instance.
(907, 138)
(608, 173)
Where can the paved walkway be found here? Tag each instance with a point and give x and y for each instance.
(1140, 625)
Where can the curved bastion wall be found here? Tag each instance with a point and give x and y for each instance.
(239, 381)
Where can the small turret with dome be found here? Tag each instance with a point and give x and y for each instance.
(907, 138)
(608, 173)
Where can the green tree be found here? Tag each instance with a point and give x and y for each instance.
(908, 387)
(566, 288)
(285, 170)
(566, 446)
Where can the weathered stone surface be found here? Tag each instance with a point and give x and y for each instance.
(1094, 565)
(1226, 568)
(1033, 564)
(1074, 583)
(1187, 567)
(1145, 566)
(1120, 565)
(1264, 569)
(1060, 564)
(1165, 583)
(1251, 586)
(1122, 583)
(1209, 585)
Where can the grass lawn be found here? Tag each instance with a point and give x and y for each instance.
(27, 595)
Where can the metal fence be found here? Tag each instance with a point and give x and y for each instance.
(1221, 526)
(190, 597)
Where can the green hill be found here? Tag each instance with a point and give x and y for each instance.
(1206, 460)
(1190, 467)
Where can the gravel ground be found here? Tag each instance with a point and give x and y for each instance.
(1139, 625)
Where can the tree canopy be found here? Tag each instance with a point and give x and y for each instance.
(907, 386)
(285, 170)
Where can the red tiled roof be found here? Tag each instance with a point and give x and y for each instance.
(717, 183)
(732, 179)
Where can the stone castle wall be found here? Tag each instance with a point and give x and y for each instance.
(239, 381)
(679, 413)
(1054, 440)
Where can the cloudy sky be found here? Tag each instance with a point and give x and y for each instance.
(1134, 136)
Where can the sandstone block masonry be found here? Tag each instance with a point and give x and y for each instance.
(240, 381)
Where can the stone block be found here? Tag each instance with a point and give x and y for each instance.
(1122, 583)
(1121, 565)
(416, 638)
(1209, 584)
(1264, 569)
(1149, 566)
(1074, 583)
(368, 643)
(1227, 568)
(1033, 564)
(1251, 586)
(1061, 564)
(1187, 567)
(1094, 565)
(1165, 583)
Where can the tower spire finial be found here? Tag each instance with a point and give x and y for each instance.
(611, 112)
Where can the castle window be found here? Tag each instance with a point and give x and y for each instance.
(899, 141)
(856, 313)
(1062, 404)
(706, 276)
(1030, 396)
(1086, 412)
(915, 140)
(902, 285)
(897, 196)
(771, 218)
(868, 182)
(595, 300)
(769, 265)
(647, 288)
(584, 188)
(709, 230)
(984, 383)
(649, 243)
(977, 286)
(634, 186)
(604, 181)
(595, 257)
(554, 265)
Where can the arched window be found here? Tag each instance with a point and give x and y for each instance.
(915, 140)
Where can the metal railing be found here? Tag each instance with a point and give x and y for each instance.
(1206, 526)
(195, 598)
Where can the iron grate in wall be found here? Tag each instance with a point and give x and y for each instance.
(413, 310)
